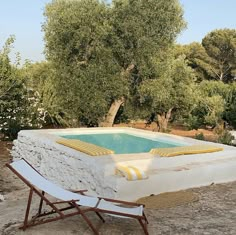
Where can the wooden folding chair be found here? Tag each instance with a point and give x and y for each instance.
(77, 202)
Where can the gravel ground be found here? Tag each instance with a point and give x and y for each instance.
(214, 212)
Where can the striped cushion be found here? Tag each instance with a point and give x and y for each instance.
(85, 147)
(130, 172)
(194, 149)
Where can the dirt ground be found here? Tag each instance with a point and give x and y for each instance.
(213, 213)
(175, 130)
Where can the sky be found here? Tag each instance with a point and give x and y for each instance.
(204, 16)
(24, 18)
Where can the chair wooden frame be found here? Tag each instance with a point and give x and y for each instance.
(71, 204)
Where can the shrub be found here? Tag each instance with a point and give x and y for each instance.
(226, 138)
(193, 122)
(200, 136)
(230, 112)
(20, 108)
(24, 113)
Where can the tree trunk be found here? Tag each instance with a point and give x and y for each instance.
(163, 120)
(110, 117)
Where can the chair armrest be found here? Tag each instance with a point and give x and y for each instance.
(80, 191)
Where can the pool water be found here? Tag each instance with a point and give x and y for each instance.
(121, 143)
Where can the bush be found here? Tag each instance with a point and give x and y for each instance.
(226, 138)
(193, 122)
(25, 113)
(230, 112)
(200, 136)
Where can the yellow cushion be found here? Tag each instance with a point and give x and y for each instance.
(85, 147)
(194, 149)
(130, 172)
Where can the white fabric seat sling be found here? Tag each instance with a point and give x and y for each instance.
(29, 175)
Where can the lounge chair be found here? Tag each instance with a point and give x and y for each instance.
(77, 202)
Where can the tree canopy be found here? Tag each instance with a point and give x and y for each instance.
(215, 57)
(220, 45)
(102, 52)
(171, 92)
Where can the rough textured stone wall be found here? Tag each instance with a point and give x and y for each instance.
(64, 166)
(75, 170)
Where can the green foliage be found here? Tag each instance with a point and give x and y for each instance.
(226, 138)
(230, 110)
(101, 52)
(193, 121)
(211, 88)
(196, 57)
(86, 75)
(200, 136)
(220, 45)
(172, 91)
(208, 111)
(40, 79)
(142, 29)
(210, 106)
(18, 106)
(214, 59)
(12, 93)
(213, 108)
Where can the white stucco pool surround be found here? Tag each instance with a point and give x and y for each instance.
(76, 170)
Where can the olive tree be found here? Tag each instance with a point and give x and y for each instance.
(172, 92)
(103, 52)
(141, 31)
(87, 76)
(211, 104)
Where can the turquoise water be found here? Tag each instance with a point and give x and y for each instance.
(121, 143)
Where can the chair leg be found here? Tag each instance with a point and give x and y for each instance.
(144, 226)
(99, 215)
(25, 225)
(145, 218)
(90, 224)
(41, 204)
(86, 218)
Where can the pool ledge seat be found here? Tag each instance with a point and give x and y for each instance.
(184, 150)
(130, 172)
(90, 149)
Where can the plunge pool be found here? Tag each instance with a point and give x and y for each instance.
(122, 143)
